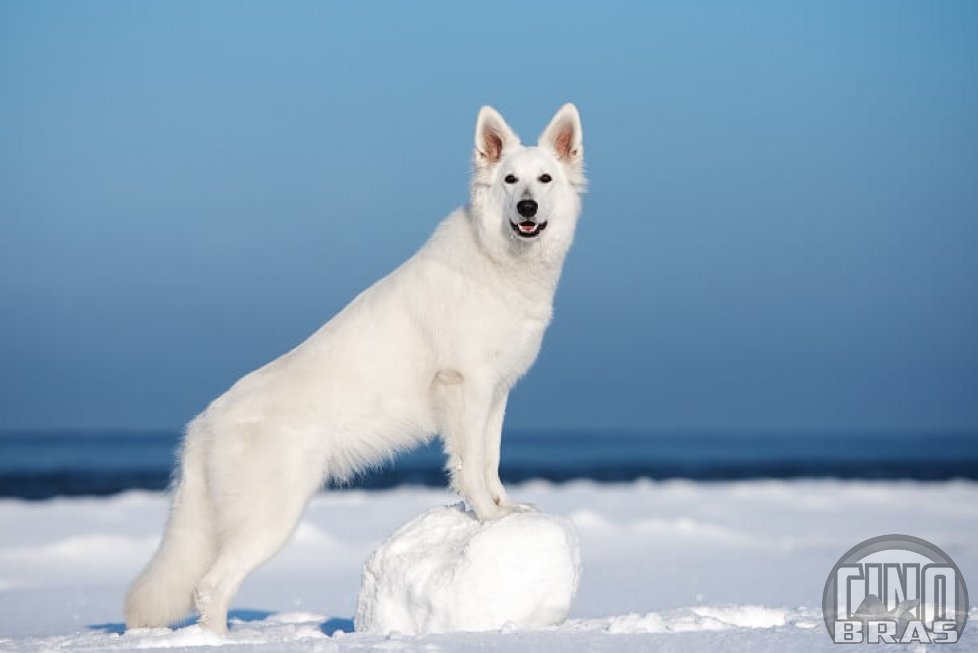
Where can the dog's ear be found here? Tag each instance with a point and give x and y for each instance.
(492, 137)
(563, 136)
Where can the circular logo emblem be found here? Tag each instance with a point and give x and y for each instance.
(895, 589)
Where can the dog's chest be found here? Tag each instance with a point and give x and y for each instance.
(499, 332)
(515, 349)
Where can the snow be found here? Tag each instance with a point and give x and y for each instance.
(445, 571)
(666, 566)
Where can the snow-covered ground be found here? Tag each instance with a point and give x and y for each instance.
(445, 571)
(671, 566)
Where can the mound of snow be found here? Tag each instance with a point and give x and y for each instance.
(446, 571)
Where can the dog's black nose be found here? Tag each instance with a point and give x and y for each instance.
(527, 208)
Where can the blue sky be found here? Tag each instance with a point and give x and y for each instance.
(781, 231)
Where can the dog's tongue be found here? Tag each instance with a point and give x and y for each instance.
(527, 227)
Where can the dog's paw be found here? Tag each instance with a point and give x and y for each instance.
(490, 512)
(494, 511)
(521, 507)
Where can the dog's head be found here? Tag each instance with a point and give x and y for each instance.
(528, 194)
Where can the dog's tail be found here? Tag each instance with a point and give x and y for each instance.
(164, 592)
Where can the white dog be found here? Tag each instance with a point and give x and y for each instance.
(433, 348)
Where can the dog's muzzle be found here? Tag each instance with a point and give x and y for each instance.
(527, 228)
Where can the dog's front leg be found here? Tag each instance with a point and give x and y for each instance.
(494, 438)
(465, 404)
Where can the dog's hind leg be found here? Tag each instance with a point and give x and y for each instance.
(239, 556)
(163, 592)
(255, 522)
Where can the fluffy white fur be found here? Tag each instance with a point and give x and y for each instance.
(433, 348)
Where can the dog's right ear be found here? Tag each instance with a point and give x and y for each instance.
(492, 137)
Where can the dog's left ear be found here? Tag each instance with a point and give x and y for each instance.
(563, 136)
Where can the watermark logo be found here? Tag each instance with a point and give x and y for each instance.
(895, 589)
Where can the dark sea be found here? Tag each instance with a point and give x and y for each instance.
(41, 465)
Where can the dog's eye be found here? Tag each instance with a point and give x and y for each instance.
(511, 179)
(545, 178)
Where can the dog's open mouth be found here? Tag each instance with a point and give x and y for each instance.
(528, 228)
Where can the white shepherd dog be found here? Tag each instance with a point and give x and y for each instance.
(433, 348)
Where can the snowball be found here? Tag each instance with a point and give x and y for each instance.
(446, 571)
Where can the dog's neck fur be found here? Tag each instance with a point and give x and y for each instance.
(532, 273)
